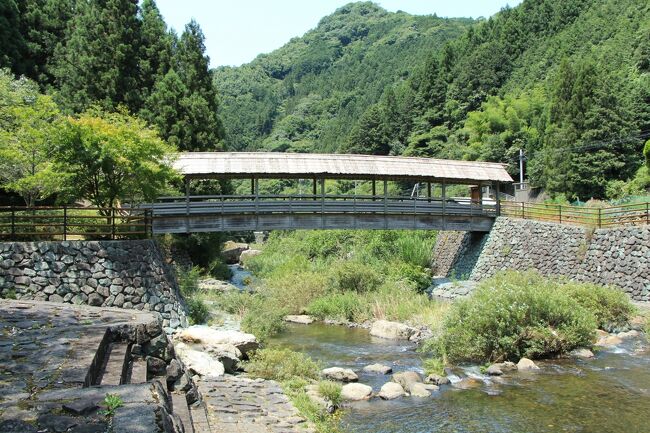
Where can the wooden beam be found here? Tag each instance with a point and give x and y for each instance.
(429, 191)
(444, 204)
(497, 193)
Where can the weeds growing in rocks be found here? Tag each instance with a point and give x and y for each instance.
(330, 391)
(282, 365)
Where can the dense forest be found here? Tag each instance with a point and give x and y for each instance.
(568, 81)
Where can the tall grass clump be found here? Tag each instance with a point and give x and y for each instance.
(282, 365)
(522, 314)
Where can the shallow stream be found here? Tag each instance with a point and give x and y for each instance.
(610, 393)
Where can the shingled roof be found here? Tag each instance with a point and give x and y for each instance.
(205, 165)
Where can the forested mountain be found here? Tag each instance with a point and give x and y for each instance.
(115, 54)
(566, 80)
(308, 94)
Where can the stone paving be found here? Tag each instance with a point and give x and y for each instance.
(242, 405)
(46, 350)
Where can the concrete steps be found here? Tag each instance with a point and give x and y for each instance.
(200, 418)
(138, 371)
(116, 367)
(180, 409)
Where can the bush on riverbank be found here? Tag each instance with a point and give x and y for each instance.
(345, 275)
(282, 365)
(515, 315)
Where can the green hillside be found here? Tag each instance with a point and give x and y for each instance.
(308, 94)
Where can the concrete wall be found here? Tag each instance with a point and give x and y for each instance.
(615, 256)
(124, 274)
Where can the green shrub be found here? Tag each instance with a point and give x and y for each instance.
(263, 321)
(419, 277)
(330, 391)
(199, 312)
(340, 306)
(355, 276)
(611, 308)
(235, 302)
(219, 270)
(434, 366)
(513, 315)
(282, 365)
(188, 280)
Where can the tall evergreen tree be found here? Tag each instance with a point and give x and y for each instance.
(156, 45)
(99, 61)
(13, 43)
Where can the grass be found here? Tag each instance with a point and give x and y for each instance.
(522, 314)
(295, 371)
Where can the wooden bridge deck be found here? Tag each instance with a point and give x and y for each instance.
(244, 213)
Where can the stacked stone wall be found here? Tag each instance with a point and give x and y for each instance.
(456, 253)
(614, 256)
(124, 274)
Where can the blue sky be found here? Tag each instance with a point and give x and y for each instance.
(238, 30)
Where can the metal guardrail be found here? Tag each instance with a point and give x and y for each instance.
(630, 214)
(73, 222)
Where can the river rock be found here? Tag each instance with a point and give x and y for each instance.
(213, 337)
(247, 254)
(391, 390)
(467, 383)
(420, 390)
(378, 368)
(407, 379)
(494, 370)
(391, 330)
(629, 334)
(198, 362)
(212, 284)
(436, 379)
(356, 392)
(231, 251)
(526, 364)
(582, 353)
(609, 340)
(314, 396)
(340, 374)
(227, 354)
(301, 319)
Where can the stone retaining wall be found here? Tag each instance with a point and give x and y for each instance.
(615, 256)
(456, 252)
(124, 274)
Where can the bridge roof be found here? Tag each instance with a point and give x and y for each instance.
(204, 165)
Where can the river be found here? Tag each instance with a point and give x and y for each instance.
(610, 393)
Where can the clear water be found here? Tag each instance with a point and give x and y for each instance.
(610, 393)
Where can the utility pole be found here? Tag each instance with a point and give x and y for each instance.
(521, 166)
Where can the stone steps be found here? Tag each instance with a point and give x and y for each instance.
(200, 418)
(180, 409)
(138, 371)
(117, 364)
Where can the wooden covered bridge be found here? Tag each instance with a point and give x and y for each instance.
(318, 210)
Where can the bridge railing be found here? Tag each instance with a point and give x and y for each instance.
(629, 214)
(73, 222)
(306, 203)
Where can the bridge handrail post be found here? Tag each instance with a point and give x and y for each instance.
(13, 222)
(560, 213)
(65, 222)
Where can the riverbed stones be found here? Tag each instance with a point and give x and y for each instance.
(210, 337)
(407, 379)
(436, 379)
(582, 353)
(609, 340)
(391, 330)
(391, 391)
(231, 251)
(526, 364)
(356, 392)
(301, 319)
(199, 362)
(494, 370)
(340, 374)
(628, 334)
(378, 368)
(248, 254)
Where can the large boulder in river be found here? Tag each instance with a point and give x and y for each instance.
(391, 390)
(247, 254)
(391, 330)
(407, 379)
(231, 251)
(301, 319)
(526, 364)
(216, 338)
(378, 368)
(356, 392)
(340, 374)
(198, 362)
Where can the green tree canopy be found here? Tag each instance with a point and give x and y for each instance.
(113, 157)
(28, 124)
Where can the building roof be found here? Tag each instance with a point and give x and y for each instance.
(205, 165)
